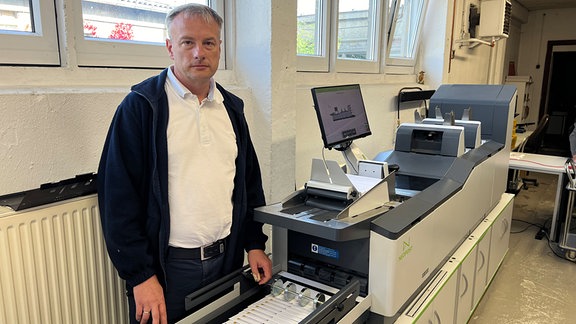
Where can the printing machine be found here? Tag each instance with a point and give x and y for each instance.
(350, 256)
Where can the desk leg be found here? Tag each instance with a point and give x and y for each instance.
(559, 189)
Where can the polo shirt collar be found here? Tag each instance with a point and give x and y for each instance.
(181, 90)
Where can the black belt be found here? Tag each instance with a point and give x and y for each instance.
(203, 253)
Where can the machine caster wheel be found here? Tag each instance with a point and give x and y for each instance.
(570, 255)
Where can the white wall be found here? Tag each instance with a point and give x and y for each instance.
(519, 17)
(541, 27)
(265, 63)
(473, 63)
(436, 42)
(54, 120)
(44, 135)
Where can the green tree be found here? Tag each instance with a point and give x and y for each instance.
(305, 44)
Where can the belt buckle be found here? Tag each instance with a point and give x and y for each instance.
(202, 258)
(220, 245)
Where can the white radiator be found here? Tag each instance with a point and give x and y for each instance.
(54, 268)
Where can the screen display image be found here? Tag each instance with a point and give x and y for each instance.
(341, 114)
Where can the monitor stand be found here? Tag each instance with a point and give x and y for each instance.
(358, 164)
(352, 154)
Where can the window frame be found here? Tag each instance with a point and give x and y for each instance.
(381, 63)
(40, 47)
(404, 64)
(363, 66)
(100, 52)
(58, 40)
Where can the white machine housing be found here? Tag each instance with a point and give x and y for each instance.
(404, 250)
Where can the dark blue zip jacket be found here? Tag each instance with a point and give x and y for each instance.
(133, 185)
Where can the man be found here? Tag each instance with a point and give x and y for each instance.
(179, 178)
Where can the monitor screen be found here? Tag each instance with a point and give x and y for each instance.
(341, 114)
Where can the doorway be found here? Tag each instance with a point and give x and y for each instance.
(559, 96)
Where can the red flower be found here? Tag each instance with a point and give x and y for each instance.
(122, 31)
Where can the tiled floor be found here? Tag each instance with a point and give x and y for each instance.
(533, 285)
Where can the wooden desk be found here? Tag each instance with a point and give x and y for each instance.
(543, 164)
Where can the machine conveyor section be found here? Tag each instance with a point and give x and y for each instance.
(286, 298)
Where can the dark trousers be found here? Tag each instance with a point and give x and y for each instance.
(184, 276)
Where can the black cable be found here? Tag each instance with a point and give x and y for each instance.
(545, 232)
(541, 227)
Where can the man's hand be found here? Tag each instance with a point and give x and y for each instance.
(258, 260)
(150, 304)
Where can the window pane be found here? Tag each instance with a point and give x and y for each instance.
(133, 20)
(356, 29)
(309, 32)
(406, 29)
(15, 15)
(28, 33)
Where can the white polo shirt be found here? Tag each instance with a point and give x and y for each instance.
(201, 166)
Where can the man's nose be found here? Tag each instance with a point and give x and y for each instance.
(198, 52)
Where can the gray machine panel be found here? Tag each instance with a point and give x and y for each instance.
(489, 105)
(483, 152)
(419, 165)
(429, 139)
(307, 221)
(400, 219)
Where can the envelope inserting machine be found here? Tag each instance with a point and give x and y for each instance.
(370, 252)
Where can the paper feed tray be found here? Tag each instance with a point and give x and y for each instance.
(333, 210)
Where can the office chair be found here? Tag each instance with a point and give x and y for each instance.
(533, 144)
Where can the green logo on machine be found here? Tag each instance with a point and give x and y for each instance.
(406, 248)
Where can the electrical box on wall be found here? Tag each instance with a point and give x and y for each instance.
(495, 16)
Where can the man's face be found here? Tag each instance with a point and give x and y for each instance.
(194, 47)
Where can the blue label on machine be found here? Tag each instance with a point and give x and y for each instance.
(325, 251)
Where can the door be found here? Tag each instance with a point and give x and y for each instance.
(559, 96)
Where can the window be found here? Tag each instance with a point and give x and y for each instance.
(359, 24)
(356, 35)
(125, 20)
(406, 19)
(99, 33)
(312, 35)
(28, 32)
(352, 39)
(125, 33)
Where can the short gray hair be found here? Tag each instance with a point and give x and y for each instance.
(193, 9)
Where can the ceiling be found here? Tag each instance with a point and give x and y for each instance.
(547, 4)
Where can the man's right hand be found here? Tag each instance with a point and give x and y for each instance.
(150, 304)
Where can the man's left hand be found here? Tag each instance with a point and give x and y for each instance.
(261, 266)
